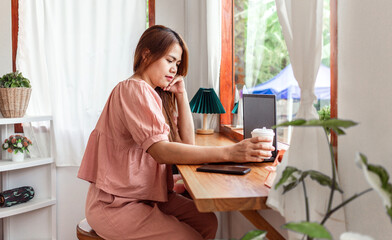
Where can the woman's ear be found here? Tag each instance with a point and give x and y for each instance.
(145, 55)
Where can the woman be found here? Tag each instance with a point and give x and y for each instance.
(145, 127)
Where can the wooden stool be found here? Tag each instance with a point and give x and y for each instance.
(85, 232)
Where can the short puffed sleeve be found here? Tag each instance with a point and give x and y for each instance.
(142, 113)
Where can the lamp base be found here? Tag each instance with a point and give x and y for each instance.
(205, 131)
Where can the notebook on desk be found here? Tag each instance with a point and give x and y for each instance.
(259, 110)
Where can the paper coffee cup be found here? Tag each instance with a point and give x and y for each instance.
(263, 132)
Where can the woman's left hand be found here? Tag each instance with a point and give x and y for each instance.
(176, 86)
(179, 186)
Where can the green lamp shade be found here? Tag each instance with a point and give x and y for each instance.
(206, 101)
(235, 108)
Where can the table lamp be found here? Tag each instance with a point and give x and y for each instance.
(206, 102)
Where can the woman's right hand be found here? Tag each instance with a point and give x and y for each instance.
(251, 150)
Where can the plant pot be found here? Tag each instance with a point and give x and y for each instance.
(14, 101)
(18, 157)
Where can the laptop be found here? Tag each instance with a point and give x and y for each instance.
(259, 110)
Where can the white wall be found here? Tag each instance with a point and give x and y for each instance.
(196, 38)
(364, 95)
(5, 38)
(5, 48)
(188, 18)
(170, 13)
(71, 198)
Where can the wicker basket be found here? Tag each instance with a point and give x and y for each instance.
(14, 101)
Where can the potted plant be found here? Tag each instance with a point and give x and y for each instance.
(375, 175)
(17, 145)
(15, 91)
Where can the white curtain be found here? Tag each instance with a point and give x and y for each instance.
(255, 37)
(214, 16)
(214, 51)
(74, 52)
(302, 28)
(203, 36)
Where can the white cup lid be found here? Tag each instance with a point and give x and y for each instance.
(263, 131)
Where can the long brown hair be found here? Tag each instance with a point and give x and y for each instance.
(153, 45)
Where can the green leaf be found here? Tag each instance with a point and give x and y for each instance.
(25, 83)
(297, 122)
(290, 186)
(288, 171)
(363, 158)
(325, 113)
(323, 179)
(311, 229)
(389, 212)
(388, 188)
(381, 172)
(304, 175)
(381, 185)
(254, 235)
(338, 131)
(14, 79)
(335, 124)
(314, 122)
(294, 182)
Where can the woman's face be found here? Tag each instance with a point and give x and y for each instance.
(161, 72)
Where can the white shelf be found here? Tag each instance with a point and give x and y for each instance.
(8, 165)
(31, 205)
(37, 216)
(4, 121)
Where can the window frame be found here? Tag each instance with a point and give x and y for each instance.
(227, 68)
(226, 83)
(15, 28)
(151, 13)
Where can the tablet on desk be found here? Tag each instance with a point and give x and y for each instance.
(259, 110)
(237, 170)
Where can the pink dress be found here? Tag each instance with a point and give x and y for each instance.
(130, 196)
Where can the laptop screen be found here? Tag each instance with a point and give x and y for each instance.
(259, 111)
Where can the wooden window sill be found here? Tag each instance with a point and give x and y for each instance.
(229, 131)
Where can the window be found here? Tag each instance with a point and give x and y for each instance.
(258, 54)
(150, 13)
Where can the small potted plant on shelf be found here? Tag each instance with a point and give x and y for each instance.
(15, 91)
(17, 145)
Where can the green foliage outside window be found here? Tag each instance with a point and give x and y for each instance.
(147, 15)
(271, 45)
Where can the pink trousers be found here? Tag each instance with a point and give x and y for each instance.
(114, 217)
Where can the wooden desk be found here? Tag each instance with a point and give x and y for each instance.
(221, 192)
